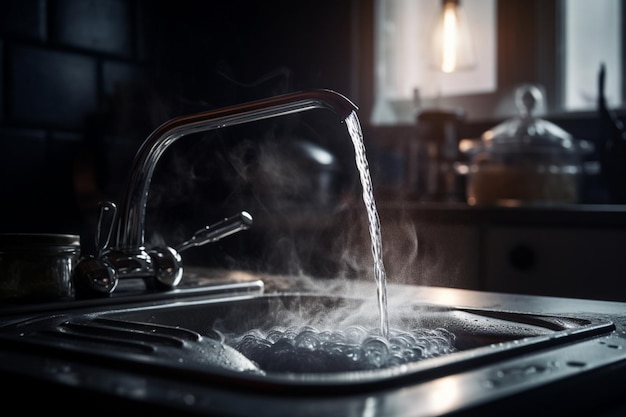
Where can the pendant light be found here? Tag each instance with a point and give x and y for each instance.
(452, 43)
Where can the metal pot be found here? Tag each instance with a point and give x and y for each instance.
(525, 160)
(297, 173)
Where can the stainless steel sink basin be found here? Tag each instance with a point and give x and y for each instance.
(187, 338)
(164, 355)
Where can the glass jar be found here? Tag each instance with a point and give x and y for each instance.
(37, 267)
(525, 160)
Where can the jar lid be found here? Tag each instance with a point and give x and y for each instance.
(37, 240)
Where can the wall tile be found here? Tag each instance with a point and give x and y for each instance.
(116, 74)
(22, 160)
(22, 178)
(50, 87)
(36, 182)
(23, 18)
(60, 195)
(63, 150)
(99, 25)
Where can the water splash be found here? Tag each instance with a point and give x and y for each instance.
(356, 134)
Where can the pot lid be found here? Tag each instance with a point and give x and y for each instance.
(38, 241)
(528, 131)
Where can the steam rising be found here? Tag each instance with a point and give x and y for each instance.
(303, 206)
(303, 226)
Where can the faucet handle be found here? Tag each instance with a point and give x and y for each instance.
(217, 231)
(104, 227)
(95, 276)
(161, 267)
(168, 267)
(167, 262)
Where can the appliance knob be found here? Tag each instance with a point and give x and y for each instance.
(522, 257)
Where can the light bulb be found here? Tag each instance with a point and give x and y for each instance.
(452, 44)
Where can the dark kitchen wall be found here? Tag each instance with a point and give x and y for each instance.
(59, 59)
(83, 82)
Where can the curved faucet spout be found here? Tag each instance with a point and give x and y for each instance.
(130, 234)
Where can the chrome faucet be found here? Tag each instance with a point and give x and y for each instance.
(128, 257)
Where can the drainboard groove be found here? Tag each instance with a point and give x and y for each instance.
(177, 332)
(98, 341)
(122, 334)
(142, 343)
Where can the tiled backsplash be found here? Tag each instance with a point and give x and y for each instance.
(60, 59)
(50, 88)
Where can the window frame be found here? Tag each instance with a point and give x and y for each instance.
(535, 58)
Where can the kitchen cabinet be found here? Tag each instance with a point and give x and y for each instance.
(571, 262)
(575, 251)
(431, 253)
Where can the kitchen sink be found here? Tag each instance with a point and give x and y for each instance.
(191, 338)
(177, 353)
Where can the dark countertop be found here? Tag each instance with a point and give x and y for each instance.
(570, 215)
